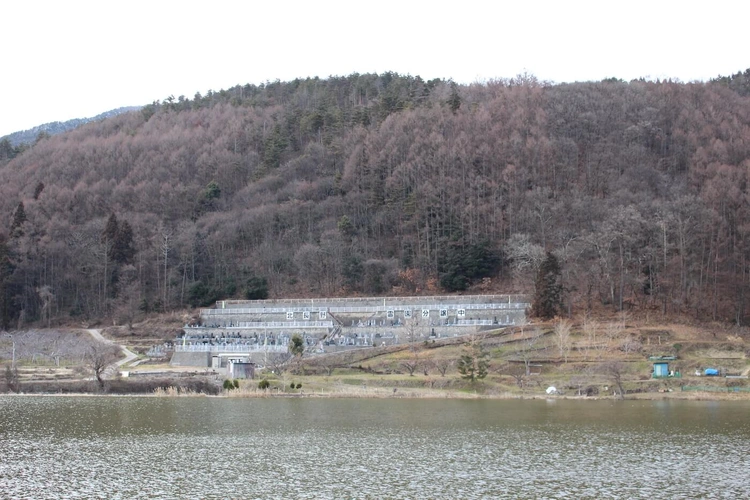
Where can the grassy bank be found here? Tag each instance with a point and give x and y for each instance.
(588, 358)
(195, 385)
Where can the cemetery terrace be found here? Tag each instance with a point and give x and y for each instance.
(253, 329)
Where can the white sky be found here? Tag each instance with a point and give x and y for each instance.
(76, 58)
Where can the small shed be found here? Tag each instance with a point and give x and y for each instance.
(661, 369)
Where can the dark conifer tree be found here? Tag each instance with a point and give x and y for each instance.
(548, 290)
(110, 230)
(7, 310)
(454, 101)
(474, 361)
(19, 217)
(38, 190)
(123, 251)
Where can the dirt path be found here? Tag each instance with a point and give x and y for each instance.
(129, 355)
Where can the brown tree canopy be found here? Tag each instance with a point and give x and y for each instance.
(640, 189)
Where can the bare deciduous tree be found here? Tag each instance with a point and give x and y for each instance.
(578, 381)
(11, 379)
(426, 366)
(410, 365)
(100, 357)
(278, 363)
(413, 332)
(412, 362)
(520, 374)
(46, 296)
(590, 329)
(164, 248)
(562, 337)
(328, 363)
(614, 370)
(442, 365)
(631, 344)
(525, 255)
(613, 332)
(413, 335)
(526, 348)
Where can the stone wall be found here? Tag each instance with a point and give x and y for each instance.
(197, 359)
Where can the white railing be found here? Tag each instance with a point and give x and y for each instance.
(254, 325)
(323, 302)
(285, 324)
(365, 309)
(474, 322)
(230, 348)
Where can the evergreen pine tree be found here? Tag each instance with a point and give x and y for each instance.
(548, 293)
(474, 362)
(454, 101)
(8, 311)
(122, 250)
(38, 190)
(110, 230)
(19, 217)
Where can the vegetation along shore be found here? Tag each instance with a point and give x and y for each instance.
(617, 207)
(588, 360)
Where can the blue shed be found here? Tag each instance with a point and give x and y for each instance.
(661, 369)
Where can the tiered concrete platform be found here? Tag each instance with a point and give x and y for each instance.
(237, 328)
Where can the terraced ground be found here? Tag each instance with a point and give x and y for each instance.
(522, 361)
(574, 365)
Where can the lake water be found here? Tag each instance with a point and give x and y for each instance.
(131, 447)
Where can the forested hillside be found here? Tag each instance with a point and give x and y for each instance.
(383, 184)
(31, 135)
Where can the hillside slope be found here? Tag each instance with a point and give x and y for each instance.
(53, 128)
(387, 184)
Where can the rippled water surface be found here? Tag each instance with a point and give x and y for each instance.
(113, 447)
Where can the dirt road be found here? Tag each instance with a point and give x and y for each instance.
(129, 355)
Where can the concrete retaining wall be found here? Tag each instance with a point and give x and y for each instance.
(384, 302)
(197, 359)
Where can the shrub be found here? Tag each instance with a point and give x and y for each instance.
(299, 385)
(264, 384)
(125, 386)
(236, 383)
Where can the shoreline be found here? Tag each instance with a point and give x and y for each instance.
(403, 394)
